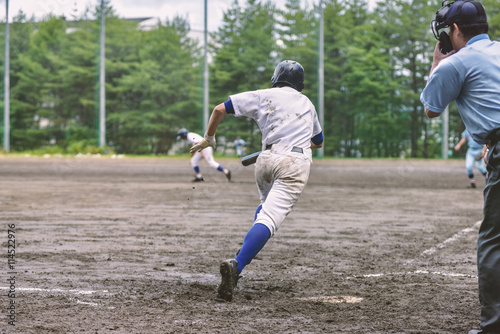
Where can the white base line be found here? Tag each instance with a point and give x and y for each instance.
(85, 303)
(76, 292)
(452, 239)
(416, 272)
(425, 272)
(430, 251)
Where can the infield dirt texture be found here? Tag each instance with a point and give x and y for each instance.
(132, 246)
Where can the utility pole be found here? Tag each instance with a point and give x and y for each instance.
(321, 74)
(444, 144)
(6, 80)
(102, 80)
(205, 73)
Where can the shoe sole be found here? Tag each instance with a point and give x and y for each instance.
(226, 286)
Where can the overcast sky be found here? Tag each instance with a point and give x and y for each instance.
(193, 10)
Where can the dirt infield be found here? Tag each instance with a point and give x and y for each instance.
(132, 246)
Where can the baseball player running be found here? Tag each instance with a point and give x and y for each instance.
(474, 153)
(207, 153)
(240, 146)
(290, 129)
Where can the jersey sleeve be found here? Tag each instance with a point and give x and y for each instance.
(246, 104)
(317, 137)
(443, 87)
(316, 125)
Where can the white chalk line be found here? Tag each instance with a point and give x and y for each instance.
(76, 292)
(62, 291)
(430, 251)
(86, 303)
(415, 272)
(455, 237)
(330, 299)
(333, 299)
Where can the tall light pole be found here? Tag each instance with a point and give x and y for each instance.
(321, 74)
(6, 80)
(102, 81)
(444, 146)
(205, 73)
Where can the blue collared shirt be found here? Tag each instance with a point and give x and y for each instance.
(471, 77)
(470, 142)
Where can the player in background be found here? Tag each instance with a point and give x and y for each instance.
(470, 75)
(207, 153)
(474, 153)
(290, 129)
(240, 146)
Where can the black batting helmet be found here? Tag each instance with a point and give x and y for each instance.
(289, 72)
(182, 133)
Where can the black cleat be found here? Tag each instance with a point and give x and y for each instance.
(198, 179)
(228, 175)
(229, 273)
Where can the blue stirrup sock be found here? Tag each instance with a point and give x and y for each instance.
(254, 241)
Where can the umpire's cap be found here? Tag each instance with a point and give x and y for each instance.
(290, 73)
(460, 12)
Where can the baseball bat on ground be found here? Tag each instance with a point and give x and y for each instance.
(250, 159)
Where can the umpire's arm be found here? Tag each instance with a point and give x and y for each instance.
(431, 114)
(437, 57)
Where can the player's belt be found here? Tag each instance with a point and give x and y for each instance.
(294, 149)
(493, 138)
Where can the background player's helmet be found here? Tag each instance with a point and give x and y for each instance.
(182, 133)
(290, 73)
(460, 12)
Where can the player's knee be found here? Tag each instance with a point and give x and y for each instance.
(269, 223)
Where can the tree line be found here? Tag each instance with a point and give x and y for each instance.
(376, 63)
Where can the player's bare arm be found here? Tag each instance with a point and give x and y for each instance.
(217, 115)
(209, 140)
(460, 143)
(485, 152)
(313, 145)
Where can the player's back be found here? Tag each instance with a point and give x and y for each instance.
(287, 117)
(194, 138)
(284, 116)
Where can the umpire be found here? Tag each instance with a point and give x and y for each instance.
(470, 75)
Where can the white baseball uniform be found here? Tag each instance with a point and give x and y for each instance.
(287, 120)
(208, 153)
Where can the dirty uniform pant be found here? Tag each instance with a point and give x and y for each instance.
(488, 247)
(281, 178)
